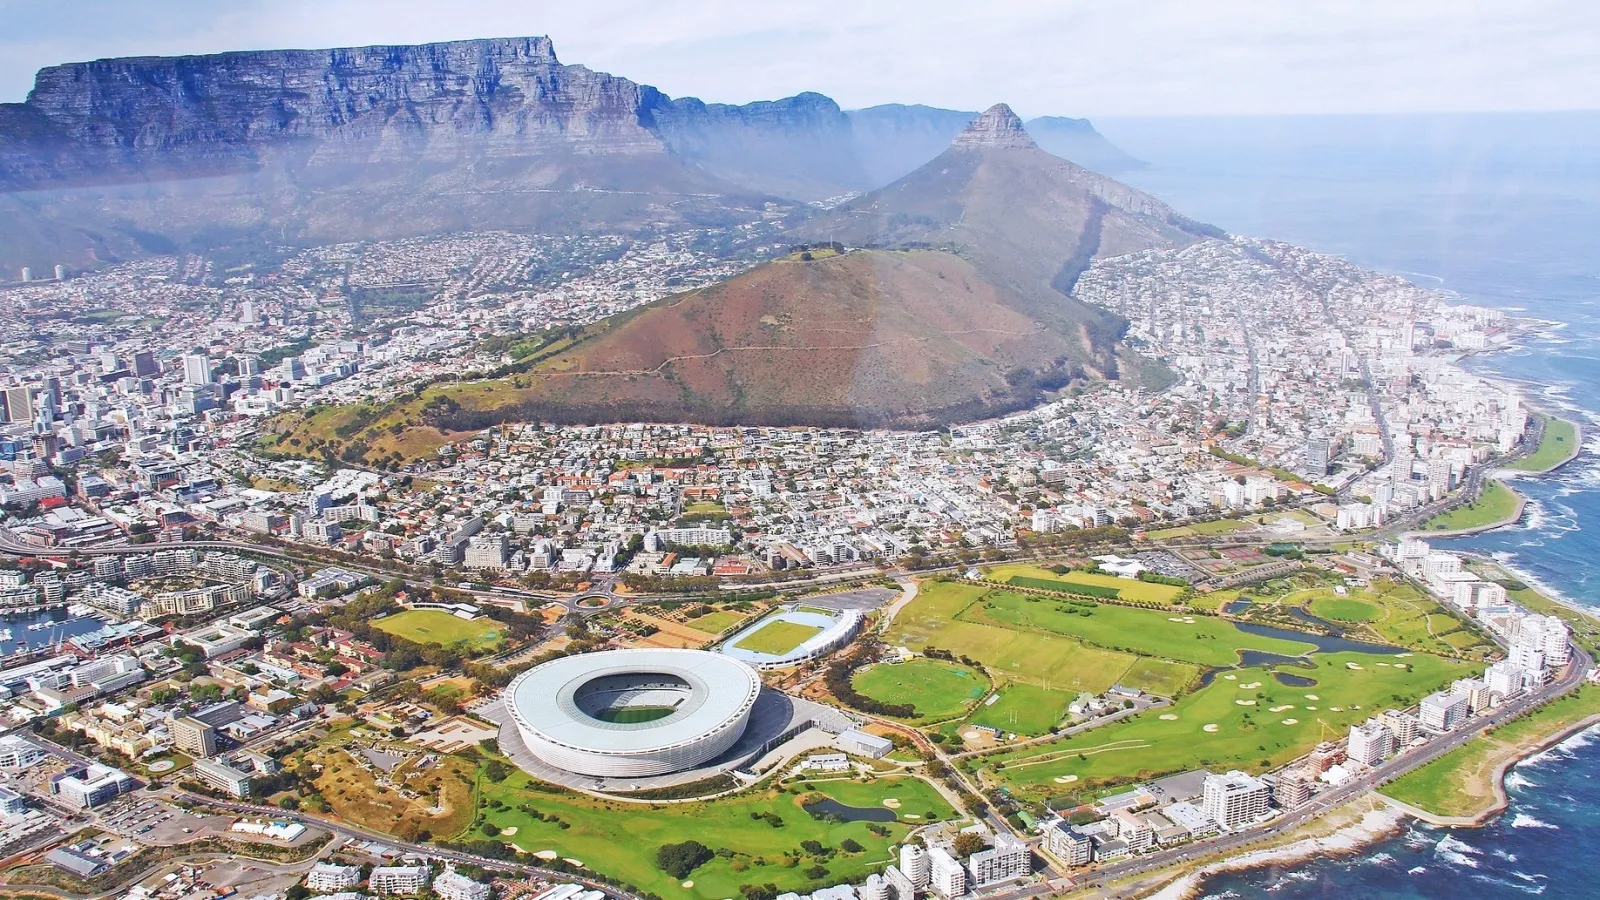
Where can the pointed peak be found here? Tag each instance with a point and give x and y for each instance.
(997, 128)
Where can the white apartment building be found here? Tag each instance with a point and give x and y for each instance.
(1404, 726)
(916, 865)
(453, 885)
(947, 876)
(398, 879)
(1235, 799)
(1442, 711)
(1069, 845)
(1370, 742)
(325, 878)
(18, 753)
(1007, 859)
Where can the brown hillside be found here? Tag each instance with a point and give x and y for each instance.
(872, 337)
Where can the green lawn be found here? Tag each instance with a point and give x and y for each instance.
(621, 839)
(1247, 733)
(432, 626)
(778, 637)
(1344, 609)
(1160, 676)
(1024, 709)
(938, 689)
(1560, 438)
(1461, 783)
(1126, 588)
(717, 622)
(1206, 640)
(1012, 654)
(1497, 503)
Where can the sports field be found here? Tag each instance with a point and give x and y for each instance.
(621, 839)
(1245, 719)
(938, 689)
(1126, 588)
(1024, 709)
(1206, 640)
(778, 637)
(717, 622)
(1344, 609)
(1159, 676)
(432, 626)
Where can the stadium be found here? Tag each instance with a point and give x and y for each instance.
(633, 713)
(792, 636)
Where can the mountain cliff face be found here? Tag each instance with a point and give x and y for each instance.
(117, 157)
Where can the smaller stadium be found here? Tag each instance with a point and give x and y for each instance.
(793, 636)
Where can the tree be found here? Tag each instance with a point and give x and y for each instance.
(966, 844)
(851, 845)
(678, 860)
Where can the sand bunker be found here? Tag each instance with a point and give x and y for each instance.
(572, 862)
(688, 884)
(891, 802)
(1312, 708)
(1173, 619)
(1278, 709)
(1404, 655)
(1188, 620)
(547, 854)
(1066, 779)
(1231, 677)
(1209, 729)
(1291, 721)
(1336, 709)
(1245, 702)
(1312, 697)
(509, 830)
(1350, 665)
(1250, 687)
(910, 816)
(1167, 717)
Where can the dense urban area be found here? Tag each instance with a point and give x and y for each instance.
(258, 641)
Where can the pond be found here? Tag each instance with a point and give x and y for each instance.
(1294, 681)
(831, 807)
(1235, 607)
(1323, 643)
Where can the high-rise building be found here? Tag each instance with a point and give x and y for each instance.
(1007, 859)
(1404, 726)
(196, 369)
(398, 879)
(325, 878)
(1318, 451)
(915, 864)
(1235, 799)
(1370, 742)
(144, 364)
(1292, 789)
(946, 875)
(1442, 711)
(1069, 845)
(194, 737)
(19, 403)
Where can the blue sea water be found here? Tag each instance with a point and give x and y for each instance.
(1503, 210)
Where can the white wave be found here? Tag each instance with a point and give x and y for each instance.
(1455, 853)
(1416, 870)
(1516, 781)
(1225, 895)
(1379, 859)
(1501, 854)
(1523, 820)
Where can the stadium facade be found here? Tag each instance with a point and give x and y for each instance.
(633, 713)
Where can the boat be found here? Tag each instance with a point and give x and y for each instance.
(5, 634)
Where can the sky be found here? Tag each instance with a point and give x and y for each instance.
(1044, 57)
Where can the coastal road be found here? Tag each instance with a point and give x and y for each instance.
(1333, 798)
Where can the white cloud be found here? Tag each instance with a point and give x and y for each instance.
(1160, 57)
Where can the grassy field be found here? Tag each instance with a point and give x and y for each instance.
(778, 638)
(1205, 640)
(1016, 656)
(717, 622)
(1024, 709)
(1245, 719)
(1160, 676)
(938, 689)
(1344, 609)
(1461, 783)
(431, 626)
(621, 839)
(1127, 588)
(1560, 438)
(1497, 503)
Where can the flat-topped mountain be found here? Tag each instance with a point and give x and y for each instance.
(118, 157)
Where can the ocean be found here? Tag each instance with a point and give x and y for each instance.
(1504, 211)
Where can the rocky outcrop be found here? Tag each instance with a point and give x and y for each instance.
(996, 128)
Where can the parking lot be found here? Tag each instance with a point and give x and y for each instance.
(155, 822)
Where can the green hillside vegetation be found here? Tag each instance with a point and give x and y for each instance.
(1559, 440)
(1495, 505)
